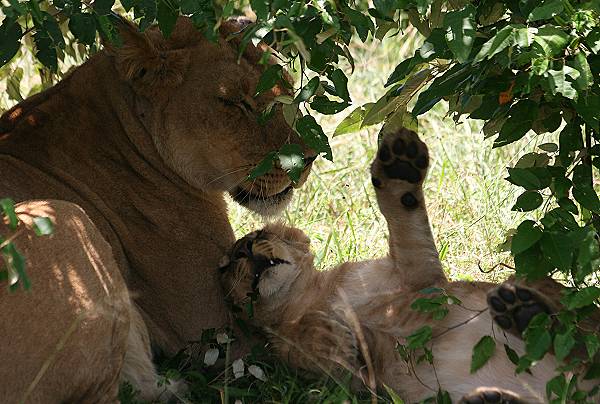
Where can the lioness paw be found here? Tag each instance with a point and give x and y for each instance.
(490, 395)
(401, 165)
(513, 306)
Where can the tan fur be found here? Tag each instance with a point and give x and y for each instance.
(352, 316)
(131, 156)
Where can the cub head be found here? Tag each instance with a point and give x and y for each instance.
(197, 100)
(263, 265)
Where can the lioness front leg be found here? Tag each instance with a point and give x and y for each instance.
(397, 175)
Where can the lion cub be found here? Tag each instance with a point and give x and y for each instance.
(353, 316)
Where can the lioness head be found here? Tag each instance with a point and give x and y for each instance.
(263, 264)
(197, 100)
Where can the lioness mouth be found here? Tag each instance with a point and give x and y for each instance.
(245, 198)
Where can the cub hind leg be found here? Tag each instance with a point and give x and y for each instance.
(397, 173)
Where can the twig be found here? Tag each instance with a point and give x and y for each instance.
(12, 237)
(362, 343)
(59, 346)
(448, 329)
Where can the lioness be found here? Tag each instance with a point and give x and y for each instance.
(131, 156)
(354, 315)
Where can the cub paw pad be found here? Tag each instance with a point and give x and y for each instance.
(513, 307)
(403, 156)
(486, 395)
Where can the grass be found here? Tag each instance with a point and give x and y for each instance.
(467, 197)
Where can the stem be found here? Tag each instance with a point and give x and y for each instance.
(436, 13)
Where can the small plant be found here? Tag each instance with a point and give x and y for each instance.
(14, 263)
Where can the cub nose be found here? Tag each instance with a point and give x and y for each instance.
(243, 248)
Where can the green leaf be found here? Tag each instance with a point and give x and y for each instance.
(592, 344)
(587, 106)
(325, 106)
(340, 81)
(45, 51)
(563, 344)
(166, 16)
(291, 159)
(585, 79)
(593, 372)
(403, 69)
(312, 135)
(530, 178)
(519, 122)
(582, 298)
(546, 10)
(83, 27)
(270, 77)
(380, 110)
(558, 249)
(559, 84)
(482, 352)
(553, 40)
(128, 4)
(503, 39)
(460, 32)
(527, 235)
(443, 397)
(353, 122)
(528, 201)
(435, 46)
(308, 90)
(146, 10)
(549, 147)
(13, 85)
(103, 7)
(442, 86)
(361, 22)
(42, 226)
(537, 337)
(15, 264)
(10, 39)
(586, 196)
(393, 395)
(593, 40)
(419, 338)
(263, 167)
(511, 354)
(261, 8)
(8, 208)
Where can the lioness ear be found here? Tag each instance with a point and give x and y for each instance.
(145, 60)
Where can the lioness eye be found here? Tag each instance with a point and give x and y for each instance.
(246, 106)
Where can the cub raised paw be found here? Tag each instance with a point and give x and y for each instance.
(513, 306)
(400, 166)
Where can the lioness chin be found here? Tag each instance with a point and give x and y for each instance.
(353, 316)
(131, 156)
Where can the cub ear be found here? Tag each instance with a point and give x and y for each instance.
(145, 60)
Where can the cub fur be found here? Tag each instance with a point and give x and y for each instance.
(353, 316)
